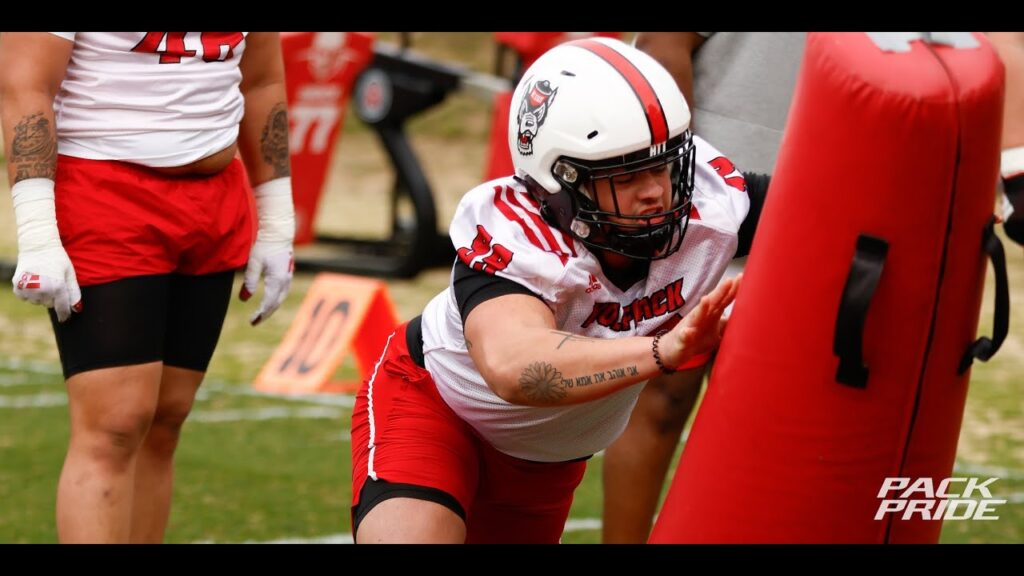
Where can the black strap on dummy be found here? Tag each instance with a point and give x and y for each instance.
(984, 348)
(865, 272)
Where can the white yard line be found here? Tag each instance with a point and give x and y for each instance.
(1000, 472)
(46, 400)
(58, 399)
(216, 385)
(270, 413)
(30, 366)
(16, 379)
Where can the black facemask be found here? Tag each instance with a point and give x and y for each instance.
(575, 211)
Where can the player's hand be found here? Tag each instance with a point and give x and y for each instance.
(276, 267)
(44, 274)
(700, 331)
(47, 277)
(272, 255)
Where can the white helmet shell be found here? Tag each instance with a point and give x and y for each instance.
(591, 100)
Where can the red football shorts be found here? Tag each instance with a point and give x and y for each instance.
(403, 432)
(119, 220)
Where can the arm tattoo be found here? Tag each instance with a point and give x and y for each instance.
(34, 148)
(570, 337)
(542, 382)
(600, 377)
(274, 140)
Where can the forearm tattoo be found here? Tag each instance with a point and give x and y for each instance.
(274, 140)
(570, 337)
(542, 382)
(34, 148)
(606, 376)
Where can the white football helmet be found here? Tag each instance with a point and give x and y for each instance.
(598, 104)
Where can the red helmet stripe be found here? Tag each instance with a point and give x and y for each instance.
(656, 120)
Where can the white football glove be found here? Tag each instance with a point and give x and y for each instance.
(44, 274)
(271, 255)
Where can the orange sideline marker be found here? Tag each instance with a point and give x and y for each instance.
(340, 313)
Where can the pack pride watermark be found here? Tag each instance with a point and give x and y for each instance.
(951, 499)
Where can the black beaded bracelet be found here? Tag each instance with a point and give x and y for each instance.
(657, 355)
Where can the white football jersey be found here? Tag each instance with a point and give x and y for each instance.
(497, 228)
(151, 98)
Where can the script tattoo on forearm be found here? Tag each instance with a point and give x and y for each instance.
(274, 140)
(570, 337)
(542, 382)
(34, 148)
(600, 377)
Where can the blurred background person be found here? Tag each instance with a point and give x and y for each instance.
(1010, 46)
(133, 213)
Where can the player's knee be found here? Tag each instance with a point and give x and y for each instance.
(166, 429)
(172, 411)
(167, 423)
(669, 405)
(117, 438)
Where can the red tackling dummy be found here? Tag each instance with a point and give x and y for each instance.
(836, 374)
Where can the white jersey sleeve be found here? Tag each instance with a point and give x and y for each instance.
(498, 229)
(720, 192)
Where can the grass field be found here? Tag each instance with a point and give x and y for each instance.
(261, 468)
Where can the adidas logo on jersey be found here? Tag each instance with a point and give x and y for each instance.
(594, 284)
(623, 318)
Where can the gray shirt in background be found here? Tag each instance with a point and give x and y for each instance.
(743, 83)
